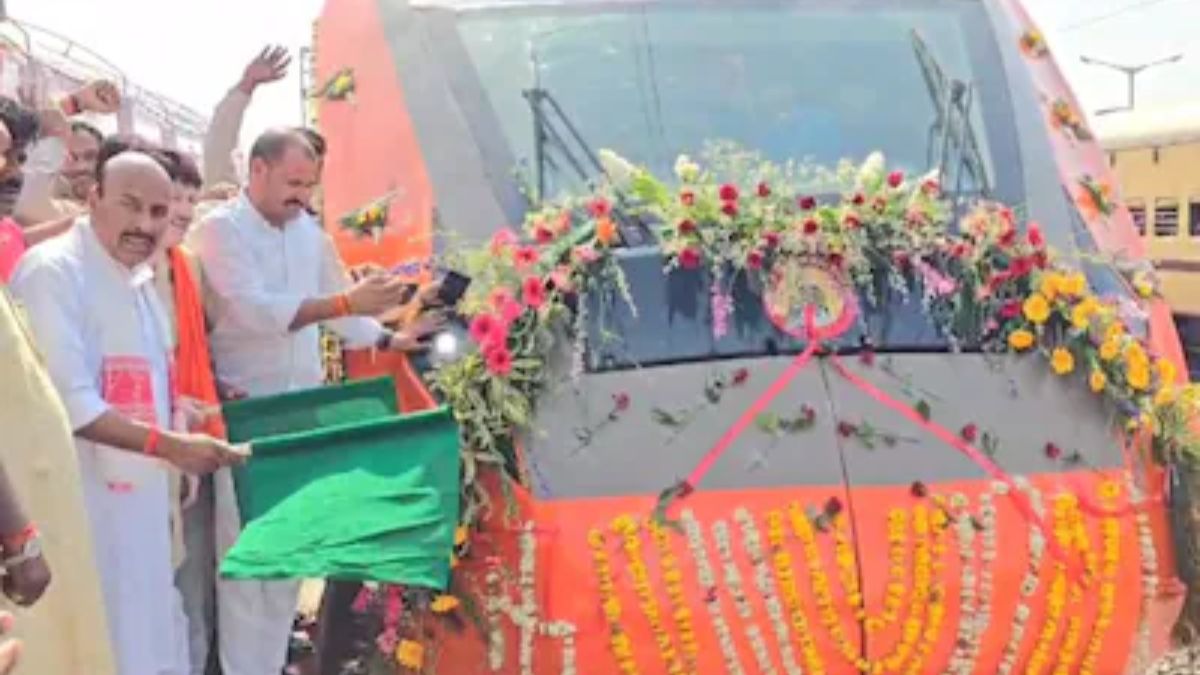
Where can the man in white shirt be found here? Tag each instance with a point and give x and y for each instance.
(276, 275)
(98, 321)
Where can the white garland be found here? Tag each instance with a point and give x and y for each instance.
(1029, 587)
(494, 606)
(708, 582)
(528, 598)
(733, 582)
(766, 586)
(1149, 575)
(961, 662)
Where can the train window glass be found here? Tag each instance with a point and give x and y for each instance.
(1138, 211)
(1166, 218)
(1194, 217)
(1189, 335)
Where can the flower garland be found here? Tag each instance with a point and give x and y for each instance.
(708, 584)
(896, 590)
(681, 611)
(734, 586)
(527, 585)
(628, 528)
(1110, 567)
(961, 661)
(1029, 587)
(766, 588)
(929, 582)
(619, 640)
(1056, 601)
(822, 591)
(1149, 555)
(493, 607)
(786, 577)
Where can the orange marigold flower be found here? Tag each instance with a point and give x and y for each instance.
(1037, 308)
(1062, 361)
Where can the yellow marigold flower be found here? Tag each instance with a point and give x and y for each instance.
(1114, 331)
(1098, 381)
(410, 654)
(1166, 370)
(1037, 308)
(1073, 285)
(1049, 286)
(444, 603)
(460, 535)
(1020, 340)
(1110, 349)
(1165, 395)
(1081, 314)
(1139, 376)
(1110, 489)
(1062, 361)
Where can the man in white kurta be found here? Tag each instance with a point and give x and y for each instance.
(94, 313)
(275, 275)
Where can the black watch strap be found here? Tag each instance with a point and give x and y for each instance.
(384, 341)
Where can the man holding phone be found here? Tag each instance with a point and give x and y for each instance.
(276, 275)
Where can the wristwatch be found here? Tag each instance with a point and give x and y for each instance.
(30, 551)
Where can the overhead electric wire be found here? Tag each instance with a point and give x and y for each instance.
(1109, 15)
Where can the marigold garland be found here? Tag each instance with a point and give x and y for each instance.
(681, 611)
(619, 640)
(786, 577)
(708, 584)
(822, 590)
(629, 530)
(1110, 568)
(1056, 601)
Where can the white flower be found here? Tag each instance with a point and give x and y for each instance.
(618, 169)
(687, 170)
(870, 174)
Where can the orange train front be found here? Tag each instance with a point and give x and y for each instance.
(905, 507)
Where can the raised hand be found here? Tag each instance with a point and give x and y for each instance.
(271, 65)
(99, 96)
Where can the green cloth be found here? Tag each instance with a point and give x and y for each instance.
(296, 411)
(372, 501)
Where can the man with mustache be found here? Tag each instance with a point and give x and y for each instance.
(276, 275)
(103, 332)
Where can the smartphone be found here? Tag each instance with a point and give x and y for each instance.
(454, 286)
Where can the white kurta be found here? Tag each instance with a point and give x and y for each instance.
(259, 276)
(91, 318)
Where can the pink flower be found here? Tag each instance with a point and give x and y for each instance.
(1034, 235)
(543, 234)
(499, 297)
(485, 328)
(931, 186)
(562, 224)
(1009, 237)
(599, 208)
(754, 260)
(730, 209)
(807, 203)
(729, 193)
(533, 291)
(503, 240)
(527, 256)
(689, 258)
(509, 312)
(688, 198)
(895, 179)
(387, 641)
(361, 601)
(499, 360)
(1010, 309)
(561, 278)
(851, 221)
(771, 239)
(585, 255)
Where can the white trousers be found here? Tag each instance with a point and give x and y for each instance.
(196, 577)
(133, 553)
(254, 618)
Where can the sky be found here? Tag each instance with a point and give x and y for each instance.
(194, 50)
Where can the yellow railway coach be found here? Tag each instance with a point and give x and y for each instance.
(1156, 156)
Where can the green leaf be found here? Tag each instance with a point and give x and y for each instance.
(768, 422)
(924, 410)
(667, 418)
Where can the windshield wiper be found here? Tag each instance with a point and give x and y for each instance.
(955, 144)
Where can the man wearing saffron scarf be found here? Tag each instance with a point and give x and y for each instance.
(103, 331)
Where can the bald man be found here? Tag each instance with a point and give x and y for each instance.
(96, 317)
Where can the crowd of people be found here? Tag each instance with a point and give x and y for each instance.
(142, 289)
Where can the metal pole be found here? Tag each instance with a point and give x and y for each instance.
(1131, 73)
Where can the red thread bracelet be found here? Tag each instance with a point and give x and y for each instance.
(152, 439)
(17, 541)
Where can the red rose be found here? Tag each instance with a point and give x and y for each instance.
(833, 506)
(730, 209)
(846, 429)
(851, 221)
(970, 433)
(1021, 266)
(543, 234)
(1053, 452)
(687, 226)
(895, 179)
(499, 361)
(807, 203)
(533, 292)
(771, 239)
(729, 193)
(858, 199)
(754, 260)
(811, 226)
(1034, 235)
(599, 208)
(688, 198)
(836, 259)
(740, 376)
(689, 258)
(1041, 260)
(808, 413)
(919, 490)
(1008, 238)
(764, 190)
(1010, 309)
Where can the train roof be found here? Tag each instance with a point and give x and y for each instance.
(1150, 127)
